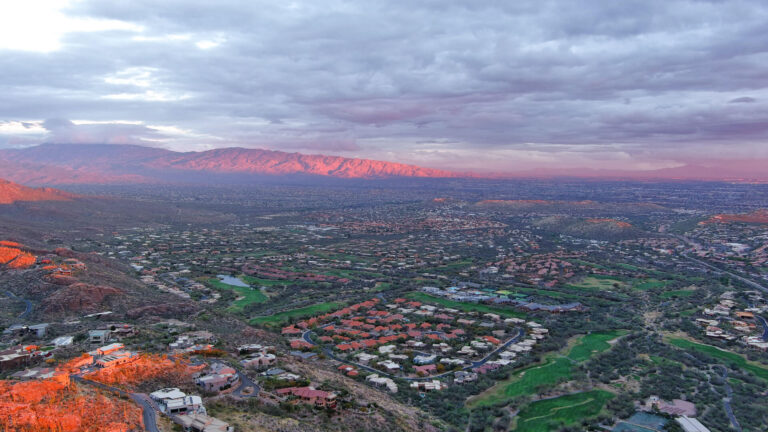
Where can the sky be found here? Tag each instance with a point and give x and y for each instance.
(488, 86)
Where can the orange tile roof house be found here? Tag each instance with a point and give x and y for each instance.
(425, 370)
(311, 396)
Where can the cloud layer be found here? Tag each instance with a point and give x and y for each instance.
(493, 86)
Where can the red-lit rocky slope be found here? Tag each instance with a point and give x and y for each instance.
(11, 192)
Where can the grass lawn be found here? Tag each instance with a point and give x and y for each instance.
(646, 284)
(350, 274)
(381, 286)
(557, 366)
(455, 265)
(466, 307)
(251, 280)
(756, 369)
(657, 273)
(552, 414)
(548, 293)
(593, 283)
(248, 295)
(592, 344)
(525, 382)
(341, 256)
(677, 293)
(281, 318)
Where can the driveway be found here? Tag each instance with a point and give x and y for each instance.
(245, 382)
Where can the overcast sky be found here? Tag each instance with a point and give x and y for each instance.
(484, 86)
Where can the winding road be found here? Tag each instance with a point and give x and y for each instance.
(727, 400)
(329, 352)
(28, 304)
(749, 282)
(148, 413)
(765, 327)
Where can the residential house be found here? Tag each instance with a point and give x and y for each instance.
(259, 360)
(98, 336)
(220, 377)
(202, 423)
(310, 395)
(116, 358)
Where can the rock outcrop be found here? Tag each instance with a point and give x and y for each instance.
(80, 297)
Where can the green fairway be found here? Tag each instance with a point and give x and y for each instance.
(647, 284)
(549, 293)
(656, 273)
(758, 370)
(261, 282)
(381, 286)
(595, 283)
(557, 366)
(351, 274)
(553, 414)
(281, 318)
(249, 295)
(342, 257)
(592, 344)
(466, 307)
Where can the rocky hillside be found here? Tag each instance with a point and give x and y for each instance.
(12, 192)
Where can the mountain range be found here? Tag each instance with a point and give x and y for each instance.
(60, 164)
(94, 163)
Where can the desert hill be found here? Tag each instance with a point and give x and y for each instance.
(12, 192)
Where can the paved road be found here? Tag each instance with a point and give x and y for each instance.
(765, 327)
(329, 352)
(28, 304)
(520, 334)
(246, 383)
(733, 275)
(149, 414)
(727, 401)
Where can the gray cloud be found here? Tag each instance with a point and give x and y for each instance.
(426, 82)
(65, 131)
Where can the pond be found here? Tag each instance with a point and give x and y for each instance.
(231, 280)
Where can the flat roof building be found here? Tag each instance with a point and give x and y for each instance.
(690, 424)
